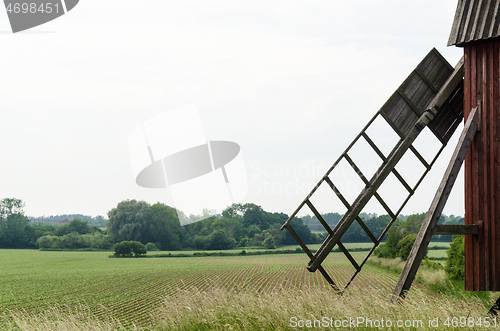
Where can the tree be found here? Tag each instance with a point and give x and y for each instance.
(75, 225)
(302, 231)
(10, 206)
(254, 215)
(236, 209)
(412, 224)
(127, 221)
(455, 263)
(269, 241)
(163, 227)
(404, 246)
(127, 248)
(218, 240)
(13, 224)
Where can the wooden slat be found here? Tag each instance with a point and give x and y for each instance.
(319, 217)
(495, 164)
(485, 133)
(431, 218)
(337, 192)
(381, 155)
(420, 157)
(360, 266)
(405, 121)
(329, 279)
(475, 171)
(368, 231)
(386, 207)
(451, 84)
(402, 181)
(348, 206)
(392, 125)
(355, 168)
(427, 81)
(308, 252)
(349, 256)
(375, 148)
(469, 267)
(299, 241)
(456, 229)
(419, 93)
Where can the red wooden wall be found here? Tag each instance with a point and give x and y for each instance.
(482, 171)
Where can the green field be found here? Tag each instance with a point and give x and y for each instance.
(128, 289)
(136, 291)
(437, 254)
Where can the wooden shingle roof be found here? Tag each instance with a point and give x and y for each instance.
(475, 20)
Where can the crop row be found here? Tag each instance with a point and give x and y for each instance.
(130, 290)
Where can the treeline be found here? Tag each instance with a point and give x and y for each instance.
(75, 234)
(377, 224)
(98, 221)
(402, 234)
(240, 225)
(16, 231)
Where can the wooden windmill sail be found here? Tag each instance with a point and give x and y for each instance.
(431, 96)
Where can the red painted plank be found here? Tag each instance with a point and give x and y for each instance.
(483, 245)
(482, 167)
(475, 217)
(469, 275)
(494, 147)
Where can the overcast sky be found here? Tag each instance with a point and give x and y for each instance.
(291, 82)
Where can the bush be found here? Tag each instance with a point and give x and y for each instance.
(455, 263)
(243, 242)
(431, 265)
(389, 249)
(384, 251)
(127, 248)
(201, 242)
(404, 246)
(269, 242)
(151, 247)
(74, 240)
(392, 248)
(219, 240)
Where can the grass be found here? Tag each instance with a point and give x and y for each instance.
(43, 290)
(129, 289)
(437, 254)
(434, 279)
(220, 309)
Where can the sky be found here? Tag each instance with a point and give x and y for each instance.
(291, 82)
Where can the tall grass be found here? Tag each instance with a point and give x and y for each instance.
(220, 309)
(60, 318)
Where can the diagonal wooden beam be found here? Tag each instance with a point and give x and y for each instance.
(431, 218)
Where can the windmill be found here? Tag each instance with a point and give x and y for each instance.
(435, 95)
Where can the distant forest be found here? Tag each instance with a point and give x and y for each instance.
(98, 221)
(332, 218)
(239, 225)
